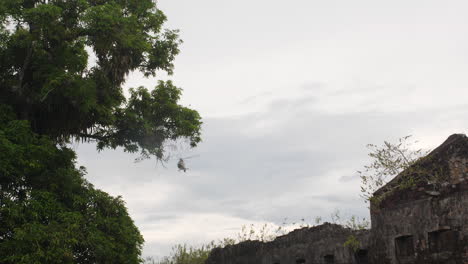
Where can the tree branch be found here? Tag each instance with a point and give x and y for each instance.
(93, 136)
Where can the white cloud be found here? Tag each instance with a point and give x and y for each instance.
(291, 93)
(303, 166)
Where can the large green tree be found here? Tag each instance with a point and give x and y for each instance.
(62, 67)
(63, 64)
(48, 212)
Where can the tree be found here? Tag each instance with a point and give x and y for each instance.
(388, 160)
(48, 212)
(48, 77)
(63, 64)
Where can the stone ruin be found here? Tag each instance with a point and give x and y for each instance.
(420, 217)
(320, 244)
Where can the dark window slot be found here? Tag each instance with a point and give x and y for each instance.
(443, 241)
(300, 261)
(404, 246)
(362, 256)
(329, 259)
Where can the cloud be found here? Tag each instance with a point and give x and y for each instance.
(289, 105)
(286, 162)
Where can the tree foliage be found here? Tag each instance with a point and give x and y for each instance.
(63, 64)
(387, 161)
(48, 212)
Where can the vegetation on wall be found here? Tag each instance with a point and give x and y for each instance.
(387, 161)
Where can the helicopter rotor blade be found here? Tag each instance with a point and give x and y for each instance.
(192, 156)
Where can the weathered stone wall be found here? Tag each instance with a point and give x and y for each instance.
(428, 223)
(432, 230)
(316, 245)
(423, 223)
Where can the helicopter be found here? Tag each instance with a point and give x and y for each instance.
(181, 163)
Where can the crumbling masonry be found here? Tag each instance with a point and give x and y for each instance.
(420, 217)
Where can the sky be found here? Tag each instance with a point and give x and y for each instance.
(290, 93)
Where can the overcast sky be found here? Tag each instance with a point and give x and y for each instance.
(290, 93)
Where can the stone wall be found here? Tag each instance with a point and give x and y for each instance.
(424, 223)
(428, 223)
(315, 245)
(432, 230)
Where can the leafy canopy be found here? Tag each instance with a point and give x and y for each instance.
(63, 64)
(49, 213)
(62, 67)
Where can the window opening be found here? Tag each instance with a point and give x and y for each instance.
(404, 246)
(329, 259)
(300, 261)
(443, 240)
(362, 256)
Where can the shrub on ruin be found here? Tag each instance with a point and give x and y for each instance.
(387, 161)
